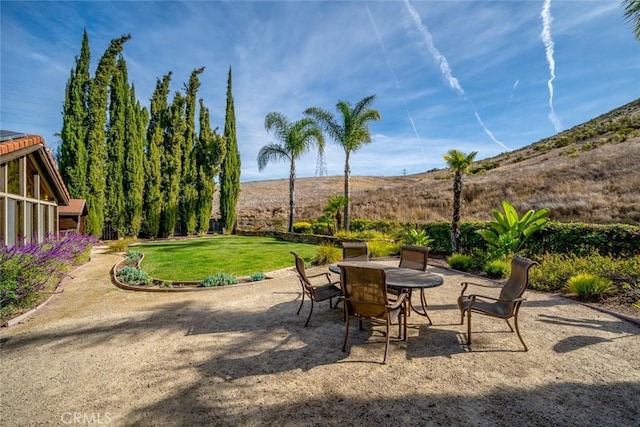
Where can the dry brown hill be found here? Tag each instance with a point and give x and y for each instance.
(590, 173)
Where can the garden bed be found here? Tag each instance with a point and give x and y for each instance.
(160, 285)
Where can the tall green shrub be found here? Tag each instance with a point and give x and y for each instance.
(230, 170)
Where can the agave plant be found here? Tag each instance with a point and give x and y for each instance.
(507, 234)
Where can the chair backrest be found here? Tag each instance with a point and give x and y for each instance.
(518, 280)
(355, 251)
(414, 257)
(301, 269)
(365, 290)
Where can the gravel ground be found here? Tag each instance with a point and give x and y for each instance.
(236, 356)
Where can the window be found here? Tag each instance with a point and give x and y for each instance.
(13, 177)
(3, 179)
(32, 173)
(19, 222)
(45, 194)
(2, 219)
(28, 219)
(37, 236)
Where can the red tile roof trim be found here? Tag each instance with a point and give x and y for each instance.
(7, 147)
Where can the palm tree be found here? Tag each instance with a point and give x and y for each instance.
(632, 14)
(460, 163)
(295, 140)
(351, 133)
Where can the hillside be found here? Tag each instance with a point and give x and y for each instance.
(589, 173)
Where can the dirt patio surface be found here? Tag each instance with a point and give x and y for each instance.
(240, 356)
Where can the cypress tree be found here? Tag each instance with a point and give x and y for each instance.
(230, 171)
(114, 167)
(209, 151)
(152, 164)
(133, 183)
(189, 193)
(96, 136)
(171, 165)
(72, 156)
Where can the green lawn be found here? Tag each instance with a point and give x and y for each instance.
(197, 258)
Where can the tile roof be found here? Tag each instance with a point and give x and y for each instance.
(77, 207)
(13, 141)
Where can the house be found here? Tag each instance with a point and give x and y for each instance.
(31, 189)
(73, 218)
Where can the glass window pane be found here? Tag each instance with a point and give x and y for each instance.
(11, 222)
(20, 222)
(41, 220)
(28, 218)
(31, 173)
(45, 194)
(13, 177)
(3, 178)
(2, 218)
(35, 224)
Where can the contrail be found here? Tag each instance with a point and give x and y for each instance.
(444, 67)
(395, 79)
(440, 58)
(513, 89)
(548, 45)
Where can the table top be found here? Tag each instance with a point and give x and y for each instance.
(397, 277)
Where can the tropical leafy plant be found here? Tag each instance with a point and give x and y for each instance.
(507, 234)
(417, 238)
(350, 129)
(295, 139)
(331, 211)
(460, 163)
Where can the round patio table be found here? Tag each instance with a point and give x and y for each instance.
(402, 279)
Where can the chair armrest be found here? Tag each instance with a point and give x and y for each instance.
(328, 277)
(465, 284)
(402, 296)
(473, 298)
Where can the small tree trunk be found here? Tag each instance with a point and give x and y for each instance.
(455, 224)
(292, 194)
(347, 191)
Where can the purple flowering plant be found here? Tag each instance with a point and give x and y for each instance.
(26, 269)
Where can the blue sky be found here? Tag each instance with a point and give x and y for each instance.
(486, 76)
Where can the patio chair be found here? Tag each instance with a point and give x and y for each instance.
(506, 306)
(365, 297)
(414, 257)
(355, 251)
(316, 293)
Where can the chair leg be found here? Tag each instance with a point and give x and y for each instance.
(515, 320)
(386, 347)
(301, 302)
(507, 320)
(468, 327)
(346, 333)
(310, 311)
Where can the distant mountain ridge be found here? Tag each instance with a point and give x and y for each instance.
(589, 173)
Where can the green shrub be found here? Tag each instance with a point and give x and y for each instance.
(590, 287)
(134, 276)
(363, 235)
(321, 227)
(556, 269)
(461, 262)
(383, 248)
(382, 226)
(497, 269)
(166, 284)
(327, 254)
(218, 279)
(302, 227)
(257, 277)
(119, 245)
